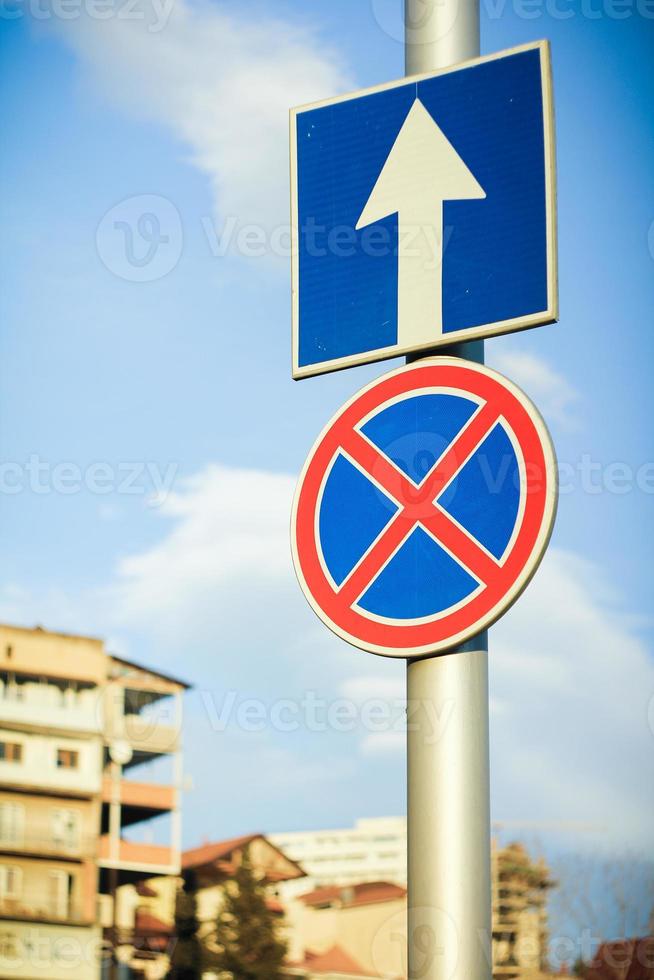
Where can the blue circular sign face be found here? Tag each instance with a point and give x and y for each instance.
(423, 578)
(424, 508)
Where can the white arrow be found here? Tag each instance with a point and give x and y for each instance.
(421, 172)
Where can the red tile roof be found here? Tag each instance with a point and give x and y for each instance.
(328, 893)
(146, 923)
(335, 960)
(144, 890)
(630, 959)
(364, 893)
(222, 851)
(218, 851)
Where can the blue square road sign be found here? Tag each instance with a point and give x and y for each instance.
(424, 212)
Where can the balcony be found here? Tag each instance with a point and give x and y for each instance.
(149, 858)
(37, 845)
(38, 772)
(504, 925)
(142, 796)
(37, 908)
(146, 735)
(34, 713)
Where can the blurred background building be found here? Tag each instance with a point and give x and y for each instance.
(374, 851)
(90, 840)
(80, 730)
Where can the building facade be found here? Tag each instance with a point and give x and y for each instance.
(374, 850)
(205, 872)
(364, 925)
(520, 934)
(75, 723)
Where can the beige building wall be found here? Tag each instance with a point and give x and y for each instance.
(38, 765)
(29, 702)
(50, 824)
(42, 653)
(161, 904)
(35, 951)
(60, 890)
(374, 934)
(528, 947)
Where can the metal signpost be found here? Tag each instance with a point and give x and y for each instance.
(424, 219)
(448, 789)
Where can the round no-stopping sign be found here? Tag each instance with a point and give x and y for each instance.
(424, 508)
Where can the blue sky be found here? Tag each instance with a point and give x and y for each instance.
(184, 107)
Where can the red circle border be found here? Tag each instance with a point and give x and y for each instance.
(518, 566)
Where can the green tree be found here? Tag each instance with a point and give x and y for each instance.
(246, 938)
(186, 958)
(580, 969)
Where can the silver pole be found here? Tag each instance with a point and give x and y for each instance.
(439, 33)
(447, 753)
(448, 816)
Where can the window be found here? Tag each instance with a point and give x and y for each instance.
(59, 893)
(10, 881)
(14, 687)
(67, 759)
(11, 752)
(8, 946)
(12, 818)
(65, 829)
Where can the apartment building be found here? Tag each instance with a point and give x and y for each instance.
(79, 732)
(147, 911)
(374, 851)
(520, 934)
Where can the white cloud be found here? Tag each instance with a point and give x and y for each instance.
(571, 741)
(230, 528)
(220, 587)
(363, 687)
(555, 397)
(382, 743)
(216, 601)
(223, 82)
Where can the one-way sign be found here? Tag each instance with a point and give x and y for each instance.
(424, 212)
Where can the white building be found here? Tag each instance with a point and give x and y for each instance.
(373, 850)
(79, 728)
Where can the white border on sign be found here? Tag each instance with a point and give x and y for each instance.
(529, 569)
(549, 315)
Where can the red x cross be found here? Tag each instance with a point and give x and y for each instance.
(417, 505)
(501, 583)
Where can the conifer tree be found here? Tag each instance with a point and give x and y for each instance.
(246, 937)
(186, 958)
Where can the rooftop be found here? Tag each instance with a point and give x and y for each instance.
(37, 652)
(223, 857)
(149, 670)
(335, 960)
(348, 896)
(628, 959)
